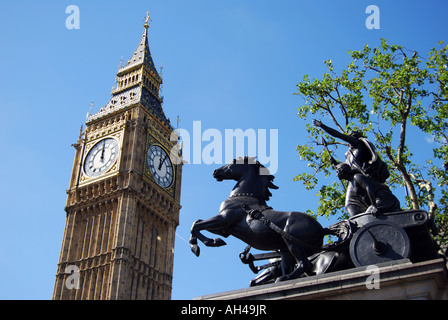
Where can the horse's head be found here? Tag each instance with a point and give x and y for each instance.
(247, 169)
(234, 170)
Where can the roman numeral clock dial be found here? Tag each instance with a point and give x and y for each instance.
(101, 157)
(160, 166)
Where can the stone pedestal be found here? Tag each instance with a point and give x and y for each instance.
(400, 280)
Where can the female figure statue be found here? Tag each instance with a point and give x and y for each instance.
(361, 155)
(365, 194)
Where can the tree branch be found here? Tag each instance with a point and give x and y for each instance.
(426, 184)
(328, 109)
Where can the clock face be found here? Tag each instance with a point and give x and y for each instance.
(101, 157)
(160, 166)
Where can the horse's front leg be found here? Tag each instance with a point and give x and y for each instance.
(213, 224)
(194, 240)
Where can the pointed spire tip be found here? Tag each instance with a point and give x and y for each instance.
(147, 20)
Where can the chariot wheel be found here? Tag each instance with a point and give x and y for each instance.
(377, 242)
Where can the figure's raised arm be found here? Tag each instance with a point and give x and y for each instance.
(347, 138)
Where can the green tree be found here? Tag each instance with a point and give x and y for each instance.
(388, 93)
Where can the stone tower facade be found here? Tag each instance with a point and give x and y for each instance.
(123, 200)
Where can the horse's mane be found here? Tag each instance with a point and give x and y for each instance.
(267, 178)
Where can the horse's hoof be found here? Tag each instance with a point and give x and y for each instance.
(218, 242)
(196, 250)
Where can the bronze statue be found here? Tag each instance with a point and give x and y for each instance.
(377, 233)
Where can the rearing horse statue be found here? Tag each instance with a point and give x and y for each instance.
(251, 193)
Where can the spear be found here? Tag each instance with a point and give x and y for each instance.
(325, 144)
(333, 161)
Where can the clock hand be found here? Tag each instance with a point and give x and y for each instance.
(162, 161)
(102, 151)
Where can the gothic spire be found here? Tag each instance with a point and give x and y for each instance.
(142, 54)
(137, 82)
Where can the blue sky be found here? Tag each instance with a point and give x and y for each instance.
(229, 64)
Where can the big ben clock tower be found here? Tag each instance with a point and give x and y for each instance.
(124, 195)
